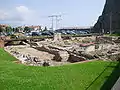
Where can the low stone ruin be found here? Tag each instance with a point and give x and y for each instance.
(75, 50)
(58, 39)
(61, 55)
(29, 59)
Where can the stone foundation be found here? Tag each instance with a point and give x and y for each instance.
(1, 44)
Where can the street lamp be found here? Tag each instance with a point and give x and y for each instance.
(101, 25)
(111, 22)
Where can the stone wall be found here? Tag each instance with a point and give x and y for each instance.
(1, 44)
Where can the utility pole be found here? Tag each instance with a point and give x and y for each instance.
(56, 19)
(58, 23)
(52, 19)
(91, 29)
(110, 22)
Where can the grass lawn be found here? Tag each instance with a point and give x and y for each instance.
(116, 34)
(85, 76)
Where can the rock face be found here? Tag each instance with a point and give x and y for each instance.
(110, 18)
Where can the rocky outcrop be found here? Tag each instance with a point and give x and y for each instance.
(110, 18)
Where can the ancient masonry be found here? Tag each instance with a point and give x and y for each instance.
(1, 43)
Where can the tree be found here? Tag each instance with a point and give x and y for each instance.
(27, 29)
(1, 29)
(13, 29)
(45, 29)
(8, 29)
(20, 29)
(16, 30)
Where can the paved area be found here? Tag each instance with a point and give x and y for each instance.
(117, 85)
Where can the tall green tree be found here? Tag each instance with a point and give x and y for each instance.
(13, 29)
(8, 29)
(45, 29)
(27, 29)
(1, 29)
(16, 29)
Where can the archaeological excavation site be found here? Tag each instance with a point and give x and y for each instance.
(59, 50)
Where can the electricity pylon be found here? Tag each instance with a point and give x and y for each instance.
(56, 17)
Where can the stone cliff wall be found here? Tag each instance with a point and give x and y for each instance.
(110, 17)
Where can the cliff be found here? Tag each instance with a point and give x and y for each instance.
(110, 18)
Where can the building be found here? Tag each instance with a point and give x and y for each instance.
(77, 28)
(32, 28)
(4, 26)
(35, 28)
(87, 27)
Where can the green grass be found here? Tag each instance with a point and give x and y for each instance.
(85, 76)
(116, 34)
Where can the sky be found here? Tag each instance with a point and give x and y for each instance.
(35, 12)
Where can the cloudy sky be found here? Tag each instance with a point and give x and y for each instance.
(36, 12)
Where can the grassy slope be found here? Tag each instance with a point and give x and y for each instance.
(70, 77)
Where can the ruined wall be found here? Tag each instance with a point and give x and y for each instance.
(1, 44)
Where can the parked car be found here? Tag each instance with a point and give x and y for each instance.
(36, 33)
(49, 33)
